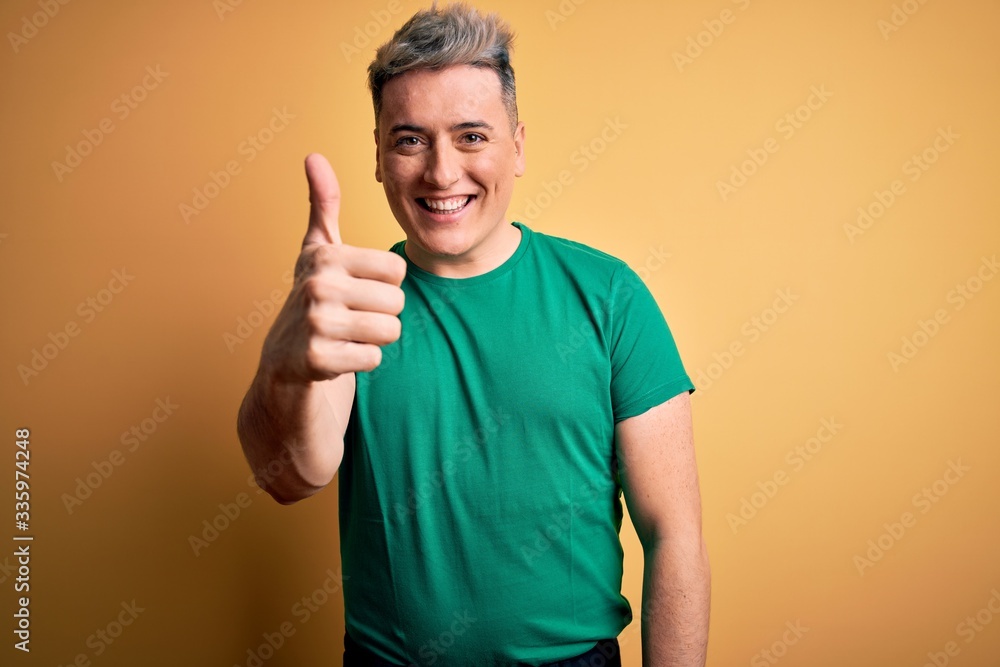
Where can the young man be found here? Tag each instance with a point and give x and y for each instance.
(485, 430)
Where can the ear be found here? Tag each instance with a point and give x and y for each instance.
(519, 163)
(378, 162)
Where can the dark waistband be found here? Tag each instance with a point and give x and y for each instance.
(605, 653)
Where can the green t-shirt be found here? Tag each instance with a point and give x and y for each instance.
(479, 501)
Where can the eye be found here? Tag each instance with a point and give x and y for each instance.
(473, 138)
(408, 141)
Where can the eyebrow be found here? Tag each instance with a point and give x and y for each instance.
(467, 125)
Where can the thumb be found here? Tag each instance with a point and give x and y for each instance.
(324, 197)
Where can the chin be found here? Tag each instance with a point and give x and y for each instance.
(445, 243)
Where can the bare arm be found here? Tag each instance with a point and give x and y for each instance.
(660, 483)
(342, 307)
(293, 433)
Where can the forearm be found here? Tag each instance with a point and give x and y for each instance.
(290, 436)
(676, 599)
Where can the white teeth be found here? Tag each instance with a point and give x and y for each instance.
(446, 205)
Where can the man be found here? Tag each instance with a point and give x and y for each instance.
(484, 431)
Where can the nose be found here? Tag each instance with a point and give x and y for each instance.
(443, 166)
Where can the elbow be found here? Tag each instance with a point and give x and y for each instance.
(289, 488)
(283, 499)
(280, 496)
(684, 547)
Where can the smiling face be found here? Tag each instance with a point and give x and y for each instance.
(447, 158)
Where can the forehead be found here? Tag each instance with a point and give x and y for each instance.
(452, 94)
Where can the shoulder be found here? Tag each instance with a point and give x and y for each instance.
(575, 256)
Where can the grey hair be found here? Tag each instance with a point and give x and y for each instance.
(436, 38)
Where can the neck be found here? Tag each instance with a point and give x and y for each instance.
(475, 262)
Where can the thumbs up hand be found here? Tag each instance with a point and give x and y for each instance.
(345, 301)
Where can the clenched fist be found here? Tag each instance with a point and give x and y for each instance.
(345, 301)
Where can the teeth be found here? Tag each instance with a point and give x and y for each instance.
(446, 205)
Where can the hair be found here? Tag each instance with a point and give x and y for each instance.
(434, 38)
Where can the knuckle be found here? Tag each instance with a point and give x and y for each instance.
(397, 268)
(398, 301)
(370, 357)
(395, 328)
(315, 360)
(311, 288)
(389, 330)
(313, 324)
(326, 254)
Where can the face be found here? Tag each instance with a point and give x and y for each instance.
(447, 158)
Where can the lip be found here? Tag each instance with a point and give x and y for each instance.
(451, 216)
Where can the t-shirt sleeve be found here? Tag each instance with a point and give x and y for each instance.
(646, 368)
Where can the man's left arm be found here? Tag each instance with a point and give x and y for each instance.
(659, 478)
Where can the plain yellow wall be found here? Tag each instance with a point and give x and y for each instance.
(731, 145)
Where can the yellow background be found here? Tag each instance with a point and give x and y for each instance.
(651, 191)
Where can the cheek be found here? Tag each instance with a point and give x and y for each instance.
(491, 172)
(399, 172)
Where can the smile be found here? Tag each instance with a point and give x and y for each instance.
(449, 205)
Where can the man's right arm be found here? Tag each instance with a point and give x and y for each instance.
(293, 433)
(342, 308)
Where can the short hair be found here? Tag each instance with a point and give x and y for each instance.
(434, 38)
